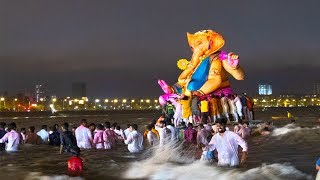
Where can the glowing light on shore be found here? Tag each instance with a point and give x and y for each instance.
(81, 101)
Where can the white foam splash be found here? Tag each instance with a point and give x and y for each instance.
(174, 162)
(39, 176)
(288, 129)
(200, 170)
(285, 130)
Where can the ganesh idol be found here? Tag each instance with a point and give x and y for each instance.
(206, 73)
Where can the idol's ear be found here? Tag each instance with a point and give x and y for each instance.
(190, 38)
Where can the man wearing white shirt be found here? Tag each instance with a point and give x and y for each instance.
(173, 130)
(164, 133)
(44, 134)
(83, 135)
(127, 131)
(12, 138)
(134, 140)
(226, 143)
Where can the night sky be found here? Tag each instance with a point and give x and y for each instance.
(121, 47)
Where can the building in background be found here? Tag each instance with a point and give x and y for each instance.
(40, 92)
(265, 89)
(316, 89)
(79, 90)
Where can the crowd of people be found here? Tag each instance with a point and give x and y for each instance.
(83, 137)
(107, 136)
(215, 140)
(207, 109)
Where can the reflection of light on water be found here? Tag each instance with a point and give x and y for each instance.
(142, 118)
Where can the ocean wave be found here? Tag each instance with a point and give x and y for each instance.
(289, 129)
(177, 162)
(200, 170)
(40, 176)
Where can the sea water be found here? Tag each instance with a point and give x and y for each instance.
(289, 152)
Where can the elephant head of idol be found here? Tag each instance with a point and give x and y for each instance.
(205, 42)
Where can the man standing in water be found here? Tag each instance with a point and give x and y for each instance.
(84, 136)
(2, 133)
(44, 134)
(12, 138)
(67, 140)
(164, 133)
(134, 140)
(226, 143)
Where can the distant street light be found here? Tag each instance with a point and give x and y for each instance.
(141, 101)
(132, 101)
(95, 103)
(2, 99)
(114, 103)
(65, 100)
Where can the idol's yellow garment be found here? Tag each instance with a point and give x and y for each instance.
(186, 108)
(204, 106)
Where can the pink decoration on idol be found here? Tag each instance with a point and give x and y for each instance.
(165, 87)
(225, 56)
(168, 97)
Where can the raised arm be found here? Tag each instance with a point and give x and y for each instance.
(231, 65)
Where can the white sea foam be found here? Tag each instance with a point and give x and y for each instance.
(172, 162)
(200, 170)
(289, 129)
(40, 176)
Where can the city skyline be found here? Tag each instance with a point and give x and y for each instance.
(123, 48)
